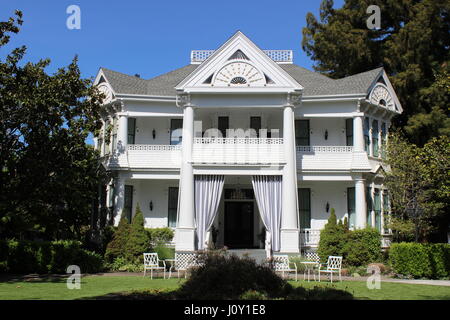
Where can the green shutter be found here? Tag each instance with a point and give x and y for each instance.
(128, 203)
(369, 206)
(304, 204)
(302, 132)
(375, 138)
(349, 131)
(173, 206)
(366, 135)
(351, 207)
(377, 209)
(131, 130)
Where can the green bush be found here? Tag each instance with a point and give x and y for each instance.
(116, 247)
(164, 252)
(419, 260)
(362, 247)
(46, 257)
(223, 276)
(159, 235)
(332, 238)
(137, 242)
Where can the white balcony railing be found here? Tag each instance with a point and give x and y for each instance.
(324, 149)
(309, 237)
(154, 156)
(263, 151)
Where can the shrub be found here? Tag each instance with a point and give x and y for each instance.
(224, 276)
(420, 260)
(159, 235)
(164, 252)
(46, 257)
(116, 247)
(362, 247)
(332, 238)
(137, 242)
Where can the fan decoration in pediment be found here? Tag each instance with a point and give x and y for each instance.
(106, 90)
(380, 95)
(239, 73)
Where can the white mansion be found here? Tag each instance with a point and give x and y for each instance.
(242, 145)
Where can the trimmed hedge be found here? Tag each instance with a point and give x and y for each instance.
(420, 260)
(46, 257)
(159, 235)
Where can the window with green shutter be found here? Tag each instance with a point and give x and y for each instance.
(131, 130)
(349, 131)
(369, 204)
(366, 135)
(304, 204)
(173, 206)
(377, 209)
(302, 132)
(383, 140)
(375, 132)
(128, 203)
(351, 207)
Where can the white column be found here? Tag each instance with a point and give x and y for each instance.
(358, 133)
(185, 232)
(122, 134)
(289, 217)
(360, 203)
(119, 201)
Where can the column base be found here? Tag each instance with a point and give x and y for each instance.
(290, 241)
(185, 239)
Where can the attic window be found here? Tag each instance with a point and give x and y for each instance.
(382, 102)
(238, 55)
(238, 80)
(101, 80)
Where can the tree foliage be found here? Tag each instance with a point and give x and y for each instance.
(412, 46)
(117, 246)
(418, 183)
(138, 241)
(49, 175)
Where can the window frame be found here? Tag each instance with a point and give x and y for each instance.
(304, 212)
(302, 139)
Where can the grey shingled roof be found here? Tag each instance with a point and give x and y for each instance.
(314, 84)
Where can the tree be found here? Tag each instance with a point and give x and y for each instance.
(332, 238)
(412, 46)
(117, 246)
(418, 184)
(138, 241)
(49, 175)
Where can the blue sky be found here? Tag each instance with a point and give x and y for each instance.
(152, 37)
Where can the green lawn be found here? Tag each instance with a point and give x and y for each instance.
(388, 290)
(94, 286)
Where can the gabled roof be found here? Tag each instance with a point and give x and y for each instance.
(314, 84)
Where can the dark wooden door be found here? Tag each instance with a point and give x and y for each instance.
(238, 231)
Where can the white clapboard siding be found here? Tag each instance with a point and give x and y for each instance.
(331, 158)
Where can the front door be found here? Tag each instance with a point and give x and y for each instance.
(238, 231)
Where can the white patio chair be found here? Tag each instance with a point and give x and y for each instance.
(152, 262)
(282, 264)
(182, 262)
(333, 265)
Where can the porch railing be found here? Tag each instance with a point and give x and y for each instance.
(324, 149)
(309, 237)
(154, 156)
(238, 151)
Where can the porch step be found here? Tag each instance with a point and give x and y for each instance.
(259, 255)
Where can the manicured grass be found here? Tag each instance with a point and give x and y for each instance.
(387, 291)
(91, 286)
(96, 286)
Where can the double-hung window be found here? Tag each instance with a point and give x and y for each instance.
(128, 203)
(349, 132)
(351, 207)
(173, 206)
(304, 204)
(131, 131)
(375, 138)
(302, 132)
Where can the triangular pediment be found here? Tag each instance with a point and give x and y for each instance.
(239, 66)
(382, 84)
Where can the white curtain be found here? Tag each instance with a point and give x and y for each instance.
(268, 197)
(208, 190)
